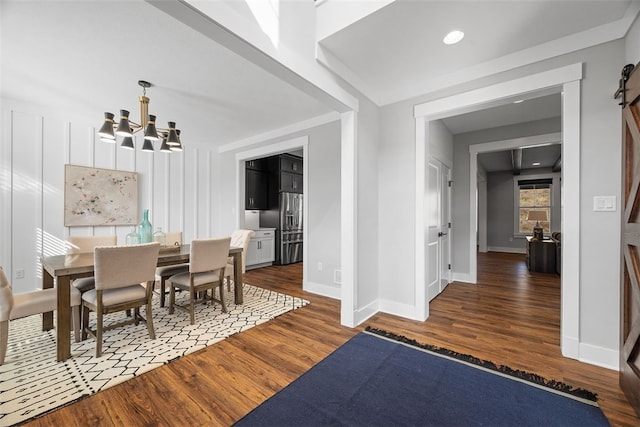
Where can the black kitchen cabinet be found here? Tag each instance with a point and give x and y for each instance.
(255, 190)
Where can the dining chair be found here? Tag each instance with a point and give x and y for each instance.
(83, 244)
(15, 306)
(172, 239)
(124, 281)
(206, 271)
(240, 239)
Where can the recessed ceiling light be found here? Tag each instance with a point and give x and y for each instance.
(535, 164)
(518, 101)
(453, 37)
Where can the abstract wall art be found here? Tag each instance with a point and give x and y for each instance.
(94, 197)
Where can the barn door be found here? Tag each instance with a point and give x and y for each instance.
(630, 292)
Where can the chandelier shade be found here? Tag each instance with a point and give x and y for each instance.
(106, 131)
(147, 145)
(127, 143)
(165, 147)
(126, 128)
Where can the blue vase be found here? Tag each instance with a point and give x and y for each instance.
(145, 229)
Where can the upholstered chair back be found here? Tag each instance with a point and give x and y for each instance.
(209, 254)
(173, 238)
(118, 266)
(241, 238)
(6, 297)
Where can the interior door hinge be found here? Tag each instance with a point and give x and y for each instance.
(449, 266)
(449, 225)
(450, 182)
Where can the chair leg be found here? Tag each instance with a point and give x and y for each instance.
(99, 334)
(172, 297)
(229, 283)
(192, 303)
(149, 316)
(85, 321)
(162, 287)
(4, 339)
(75, 312)
(224, 306)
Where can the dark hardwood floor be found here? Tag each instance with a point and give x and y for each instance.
(512, 317)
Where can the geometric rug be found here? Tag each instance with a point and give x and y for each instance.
(375, 379)
(33, 383)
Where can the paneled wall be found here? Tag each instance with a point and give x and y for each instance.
(177, 188)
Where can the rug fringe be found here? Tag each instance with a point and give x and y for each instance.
(528, 376)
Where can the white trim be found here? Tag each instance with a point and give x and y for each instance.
(398, 309)
(280, 132)
(600, 356)
(568, 78)
(348, 225)
(461, 277)
(507, 250)
(421, 305)
(495, 94)
(323, 290)
(570, 218)
(270, 150)
(366, 312)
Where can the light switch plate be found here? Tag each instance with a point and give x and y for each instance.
(604, 203)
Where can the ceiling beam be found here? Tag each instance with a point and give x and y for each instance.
(516, 160)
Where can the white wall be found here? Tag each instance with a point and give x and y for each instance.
(175, 187)
(632, 44)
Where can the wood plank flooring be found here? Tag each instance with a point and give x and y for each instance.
(511, 317)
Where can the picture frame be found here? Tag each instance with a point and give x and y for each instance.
(99, 197)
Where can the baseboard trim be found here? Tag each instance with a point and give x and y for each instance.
(323, 290)
(600, 356)
(508, 250)
(399, 309)
(461, 277)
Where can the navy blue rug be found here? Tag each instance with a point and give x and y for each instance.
(375, 380)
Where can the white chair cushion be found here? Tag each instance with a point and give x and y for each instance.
(84, 284)
(39, 301)
(182, 279)
(115, 296)
(170, 270)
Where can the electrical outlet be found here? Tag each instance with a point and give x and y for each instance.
(337, 276)
(319, 266)
(20, 273)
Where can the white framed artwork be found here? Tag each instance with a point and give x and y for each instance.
(95, 197)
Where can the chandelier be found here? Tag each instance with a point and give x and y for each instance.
(125, 128)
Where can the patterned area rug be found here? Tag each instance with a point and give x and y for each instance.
(32, 382)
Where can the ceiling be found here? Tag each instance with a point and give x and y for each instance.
(398, 51)
(87, 55)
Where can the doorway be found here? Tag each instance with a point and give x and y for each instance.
(464, 250)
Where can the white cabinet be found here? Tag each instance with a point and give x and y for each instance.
(261, 251)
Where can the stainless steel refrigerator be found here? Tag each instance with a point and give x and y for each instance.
(288, 223)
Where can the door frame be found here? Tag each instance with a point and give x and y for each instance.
(301, 142)
(567, 79)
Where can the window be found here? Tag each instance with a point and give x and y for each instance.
(533, 194)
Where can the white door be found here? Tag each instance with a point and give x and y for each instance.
(445, 227)
(437, 203)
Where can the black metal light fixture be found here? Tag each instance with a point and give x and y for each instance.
(127, 128)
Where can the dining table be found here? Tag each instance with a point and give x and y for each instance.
(64, 269)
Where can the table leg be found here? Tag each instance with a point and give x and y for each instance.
(47, 318)
(237, 277)
(63, 317)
